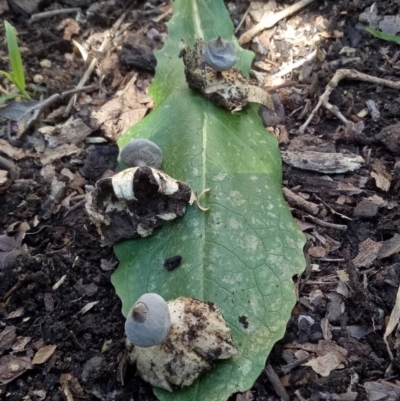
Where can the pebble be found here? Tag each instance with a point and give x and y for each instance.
(38, 78)
(45, 63)
(153, 34)
(365, 209)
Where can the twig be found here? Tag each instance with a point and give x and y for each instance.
(270, 20)
(322, 223)
(163, 15)
(33, 113)
(311, 282)
(75, 341)
(276, 383)
(343, 216)
(333, 83)
(297, 201)
(52, 13)
(77, 198)
(87, 88)
(242, 20)
(280, 86)
(293, 66)
(92, 66)
(290, 366)
(11, 167)
(21, 279)
(76, 206)
(329, 260)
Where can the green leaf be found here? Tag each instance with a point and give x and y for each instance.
(4, 98)
(243, 252)
(384, 36)
(15, 57)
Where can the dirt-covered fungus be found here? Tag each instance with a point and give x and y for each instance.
(198, 336)
(134, 202)
(148, 322)
(209, 69)
(141, 152)
(219, 54)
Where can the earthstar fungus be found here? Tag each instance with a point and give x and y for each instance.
(198, 336)
(141, 152)
(134, 202)
(219, 54)
(148, 322)
(227, 88)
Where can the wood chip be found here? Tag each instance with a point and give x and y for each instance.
(326, 331)
(299, 202)
(382, 178)
(323, 365)
(128, 107)
(87, 307)
(327, 163)
(44, 354)
(317, 252)
(365, 209)
(20, 343)
(378, 201)
(305, 346)
(7, 337)
(389, 247)
(70, 26)
(368, 251)
(393, 322)
(17, 313)
(343, 275)
(301, 354)
(50, 155)
(330, 357)
(72, 385)
(12, 367)
(59, 282)
(65, 387)
(247, 396)
(3, 176)
(382, 391)
(11, 151)
(48, 302)
(73, 131)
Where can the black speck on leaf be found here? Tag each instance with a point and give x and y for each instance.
(173, 262)
(244, 322)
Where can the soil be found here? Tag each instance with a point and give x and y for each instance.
(62, 243)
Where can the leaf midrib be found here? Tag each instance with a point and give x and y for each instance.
(204, 182)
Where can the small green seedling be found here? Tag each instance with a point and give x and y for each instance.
(17, 76)
(383, 35)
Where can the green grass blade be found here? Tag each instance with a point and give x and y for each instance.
(15, 56)
(385, 36)
(4, 98)
(9, 76)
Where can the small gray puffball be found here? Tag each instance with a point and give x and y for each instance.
(141, 152)
(149, 321)
(219, 54)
